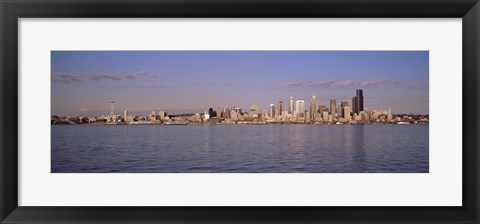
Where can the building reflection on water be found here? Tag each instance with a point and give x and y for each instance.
(354, 147)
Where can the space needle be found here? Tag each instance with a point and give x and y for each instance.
(112, 109)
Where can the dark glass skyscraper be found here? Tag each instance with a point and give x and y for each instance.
(280, 107)
(359, 100)
(212, 113)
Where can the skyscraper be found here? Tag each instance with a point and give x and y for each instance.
(152, 116)
(227, 111)
(354, 105)
(322, 108)
(347, 113)
(290, 109)
(359, 100)
(313, 107)
(272, 110)
(125, 116)
(343, 104)
(280, 108)
(206, 115)
(339, 111)
(325, 116)
(254, 109)
(238, 110)
(300, 108)
(162, 114)
(389, 115)
(333, 106)
(212, 113)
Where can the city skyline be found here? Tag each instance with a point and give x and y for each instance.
(192, 81)
(341, 113)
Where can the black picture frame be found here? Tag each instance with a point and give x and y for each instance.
(12, 10)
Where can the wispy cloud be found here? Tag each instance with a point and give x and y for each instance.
(233, 83)
(290, 85)
(139, 86)
(419, 86)
(66, 77)
(100, 75)
(206, 84)
(97, 76)
(337, 84)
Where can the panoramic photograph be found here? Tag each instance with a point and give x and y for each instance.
(240, 111)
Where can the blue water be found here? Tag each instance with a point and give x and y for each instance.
(239, 148)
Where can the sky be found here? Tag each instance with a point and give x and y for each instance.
(84, 82)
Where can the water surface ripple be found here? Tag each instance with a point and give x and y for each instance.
(240, 148)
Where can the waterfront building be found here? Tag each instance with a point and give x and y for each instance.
(325, 115)
(238, 110)
(162, 114)
(240, 117)
(223, 115)
(227, 112)
(333, 106)
(364, 116)
(219, 112)
(151, 116)
(389, 115)
(254, 109)
(92, 120)
(322, 108)
(206, 115)
(342, 120)
(300, 108)
(264, 114)
(125, 115)
(290, 108)
(233, 115)
(359, 101)
(356, 117)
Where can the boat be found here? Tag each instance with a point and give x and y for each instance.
(403, 122)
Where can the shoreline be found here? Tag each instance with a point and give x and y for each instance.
(276, 123)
